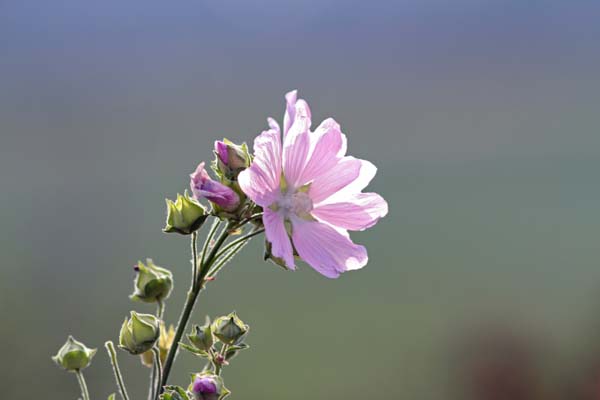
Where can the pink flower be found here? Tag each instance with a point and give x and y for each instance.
(311, 192)
(203, 186)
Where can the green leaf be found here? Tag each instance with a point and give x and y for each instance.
(194, 350)
(174, 393)
(111, 397)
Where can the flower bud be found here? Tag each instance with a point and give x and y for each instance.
(139, 333)
(74, 355)
(220, 195)
(231, 158)
(165, 341)
(207, 386)
(201, 336)
(184, 215)
(229, 329)
(152, 282)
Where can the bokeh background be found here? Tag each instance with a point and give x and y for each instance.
(482, 116)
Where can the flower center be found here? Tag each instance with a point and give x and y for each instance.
(297, 202)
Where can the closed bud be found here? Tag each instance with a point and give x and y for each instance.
(202, 336)
(74, 355)
(229, 329)
(139, 333)
(207, 386)
(231, 159)
(152, 283)
(221, 196)
(184, 215)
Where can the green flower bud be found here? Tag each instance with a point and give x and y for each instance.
(139, 333)
(201, 336)
(229, 329)
(184, 215)
(152, 282)
(74, 355)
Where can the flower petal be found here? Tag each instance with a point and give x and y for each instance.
(296, 141)
(276, 233)
(357, 213)
(261, 180)
(325, 249)
(365, 174)
(346, 171)
(290, 110)
(327, 142)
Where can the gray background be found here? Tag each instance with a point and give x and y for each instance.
(482, 117)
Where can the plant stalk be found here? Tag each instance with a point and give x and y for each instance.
(110, 347)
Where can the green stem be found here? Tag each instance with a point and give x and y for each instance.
(84, 390)
(194, 259)
(238, 241)
(160, 309)
(209, 237)
(110, 347)
(224, 260)
(191, 301)
(151, 390)
(156, 352)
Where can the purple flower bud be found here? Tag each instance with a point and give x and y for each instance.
(221, 150)
(205, 385)
(203, 186)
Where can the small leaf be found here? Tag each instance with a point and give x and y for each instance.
(174, 393)
(111, 397)
(194, 350)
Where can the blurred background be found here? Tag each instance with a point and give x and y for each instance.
(482, 116)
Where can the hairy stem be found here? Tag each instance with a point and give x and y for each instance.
(196, 287)
(151, 390)
(194, 260)
(209, 237)
(238, 241)
(156, 352)
(110, 347)
(84, 390)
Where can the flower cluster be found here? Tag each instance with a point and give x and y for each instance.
(300, 188)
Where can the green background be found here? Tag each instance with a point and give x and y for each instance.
(482, 117)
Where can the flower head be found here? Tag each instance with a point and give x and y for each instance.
(311, 192)
(204, 187)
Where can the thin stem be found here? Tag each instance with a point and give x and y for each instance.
(250, 218)
(224, 260)
(151, 390)
(156, 352)
(209, 237)
(84, 390)
(238, 241)
(194, 259)
(160, 308)
(110, 347)
(191, 300)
